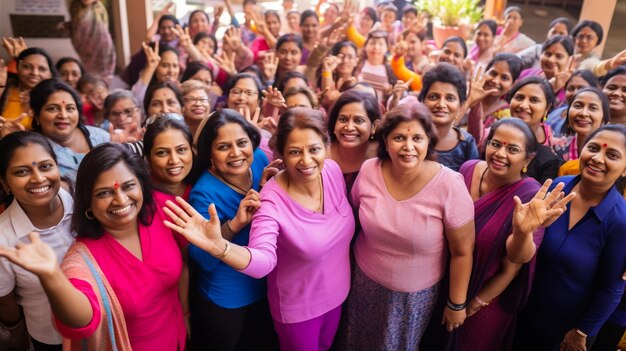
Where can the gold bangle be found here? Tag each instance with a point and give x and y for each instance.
(326, 74)
(579, 332)
(225, 253)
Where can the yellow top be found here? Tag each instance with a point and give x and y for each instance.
(13, 108)
(404, 74)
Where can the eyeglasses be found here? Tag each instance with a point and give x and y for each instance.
(587, 37)
(128, 112)
(202, 100)
(239, 92)
(168, 115)
(510, 149)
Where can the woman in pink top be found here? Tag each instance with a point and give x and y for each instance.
(117, 287)
(300, 236)
(414, 213)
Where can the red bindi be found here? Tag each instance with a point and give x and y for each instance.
(116, 185)
(605, 145)
(504, 143)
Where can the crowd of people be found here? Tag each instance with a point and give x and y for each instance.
(313, 179)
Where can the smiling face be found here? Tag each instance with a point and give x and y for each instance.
(407, 145)
(558, 29)
(309, 28)
(586, 39)
(166, 30)
(452, 53)
(32, 176)
(171, 158)
(273, 24)
(603, 158)
(117, 198)
(168, 68)
(514, 20)
(483, 37)
(293, 20)
(505, 153)
(353, 127)
(443, 102)
(231, 151)
(163, 101)
(124, 114)
(206, 46)
(289, 57)
(414, 45)
(196, 105)
(365, 23)
(32, 69)
(70, 73)
(387, 18)
(573, 86)
(553, 60)
(585, 113)
(304, 155)
(59, 116)
(198, 23)
(348, 60)
(529, 104)
(499, 77)
(375, 50)
(615, 90)
(244, 94)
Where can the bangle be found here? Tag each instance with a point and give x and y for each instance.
(579, 332)
(456, 306)
(327, 74)
(225, 253)
(480, 301)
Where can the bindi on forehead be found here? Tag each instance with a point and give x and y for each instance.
(605, 145)
(34, 163)
(116, 185)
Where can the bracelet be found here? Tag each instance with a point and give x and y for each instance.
(456, 306)
(2, 86)
(225, 253)
(579, 332)
(480, 301)
(326, 74)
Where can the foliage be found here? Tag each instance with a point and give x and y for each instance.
(452, 12)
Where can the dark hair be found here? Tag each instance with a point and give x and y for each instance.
(566, 42)
(513, 61)
(491, 24)
(306, 14)
(297, 118)
(407, 112)
(199, 11)
(618, 71)
(255, 71)
(444, 73)
(370, 12)
(617, 128)
(41, 93)
(194, 67)
(39, 51)
(163, 48)
(248, 2)
(89, 78)
(168, 17)
(282, 81)
(376, 34)
(408, 8)
(593, 25)
(562, 20)
(342, 44)
(239, 76)
(101, 159)
(458, 40)
(370, 104)
(531, 141)
(514, 9)
(209, 132)
(156, 86)
(306, 91)
(65, 60)
(9, 145)
(585, 74)
(289, 38)
(202, 35)
(604, 101)
(272, 13)
(543, 84)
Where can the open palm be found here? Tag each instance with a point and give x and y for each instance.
(186, 221)
(542, 210)
(36, 257)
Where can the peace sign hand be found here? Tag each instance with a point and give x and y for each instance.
(252, 118)
(36, 257)
(562, 76)
(186, 221)
(152, 55)
(542, 210)
(15, 125)
(183, 36)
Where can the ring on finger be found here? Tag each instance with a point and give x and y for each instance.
(180, 222)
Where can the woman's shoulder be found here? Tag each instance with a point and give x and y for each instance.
(97, 135)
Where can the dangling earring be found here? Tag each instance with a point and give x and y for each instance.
(89, 215)
(545, 118)
(372, 135)
(524, 170)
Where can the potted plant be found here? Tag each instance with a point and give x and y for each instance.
(451, 17)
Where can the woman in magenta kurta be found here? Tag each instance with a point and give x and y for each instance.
(299, 238)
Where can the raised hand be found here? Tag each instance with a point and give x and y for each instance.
(400, 49)
(252, 118)
(270, 65)
(186, 221)
(232, 39)
(401, 87)
(477, 90)
(15, 125)
(4, 74)
(247, 207)
(274, 97)
(563, 75)
(165, 10)
(542, 210)
(617, 60)
(36, 257)
(226, 62)
(152, 55)
(183, 36)
(218, 11)
(330, 63)
(14, 46)
(270, 170)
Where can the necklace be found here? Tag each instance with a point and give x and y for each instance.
(320, 206)
(244, 191)
(480, 184)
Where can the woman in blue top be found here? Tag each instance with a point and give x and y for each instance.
(231, 308)
(579, 283)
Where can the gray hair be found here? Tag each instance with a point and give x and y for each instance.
(116, 96)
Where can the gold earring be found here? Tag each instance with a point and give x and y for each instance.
(524, 170)
(89, 215)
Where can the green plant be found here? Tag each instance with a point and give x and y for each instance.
(452, 12)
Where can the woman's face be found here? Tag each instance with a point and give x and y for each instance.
(310, 28)
(293, 20)
(573, 86)
(387, 17)
(196, 105)
(499, 78)
(168, 69)
(198, 23)
(353, 127)
(483, 37)
(206, 46)
(166, 30)
(452, 53)
(615, 90)
(330, 15)
(304, 155)
(298, 100)
(289, 57)
(443, 102)
(554, 60)
(603, 158)
(32, 176)
(407, 145)
(273, 25)
(232, 152)
(163, 101)
(59, 116)
(204, 76)
(70, 73)
(585, 41)
(244, 94)
(515, 21)
(125, 114)
(33, 69)
(558, 29)
(117, 198)
(505, 153)
(529, 104)
(414, 45)
(348, 60)
(171, 158)
(375, 49)
(365, 24)
(585, 113)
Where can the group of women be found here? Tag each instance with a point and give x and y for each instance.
(251, 194)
